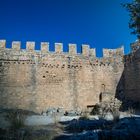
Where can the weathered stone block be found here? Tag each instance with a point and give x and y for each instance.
(58, 47)
(30, 46)
(16, 45)
(2, 44)
(72, 48)
(85, 50)
(45, 47)
(92, 52)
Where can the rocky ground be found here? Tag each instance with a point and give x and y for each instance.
(82, 129)
(72, 128)
(125, 128)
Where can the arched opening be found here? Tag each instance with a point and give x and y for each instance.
(100, 97)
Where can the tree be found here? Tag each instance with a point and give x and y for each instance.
(134, 12)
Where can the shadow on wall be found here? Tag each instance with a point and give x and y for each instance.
(128, 88)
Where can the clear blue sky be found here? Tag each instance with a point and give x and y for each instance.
(99, 23)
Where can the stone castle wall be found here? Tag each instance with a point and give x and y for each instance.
(36, 80)
(131, 74)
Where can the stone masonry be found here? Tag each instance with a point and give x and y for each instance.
(37, 80)
(130, 79)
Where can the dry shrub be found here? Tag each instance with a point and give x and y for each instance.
(16, 119)
(116, 115)
(95, 110)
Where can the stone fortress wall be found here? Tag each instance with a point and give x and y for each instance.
(130, 79)
(37, 80)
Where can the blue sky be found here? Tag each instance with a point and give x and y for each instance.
(99, 23)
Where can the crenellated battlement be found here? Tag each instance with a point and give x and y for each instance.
(113, 52)
(72, 49)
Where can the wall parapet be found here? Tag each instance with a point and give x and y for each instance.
(87, 51)
(113, 52)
